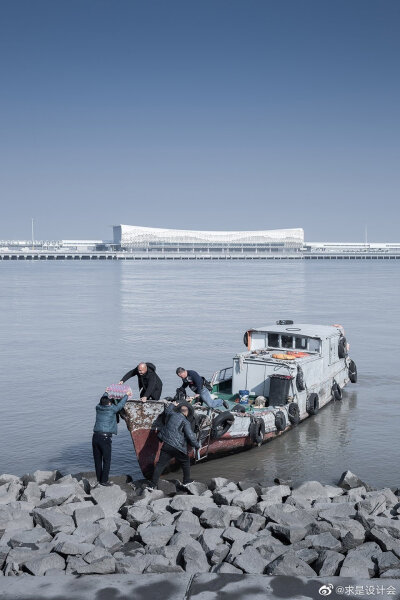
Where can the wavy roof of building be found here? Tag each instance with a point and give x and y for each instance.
(131, 234)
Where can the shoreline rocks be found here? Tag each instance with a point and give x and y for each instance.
(53, 524)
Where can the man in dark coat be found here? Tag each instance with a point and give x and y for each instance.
(150, 385)
(176, 434)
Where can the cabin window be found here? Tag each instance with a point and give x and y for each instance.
(273, 340)
(314, 345)
(300, 343)
(287, 341)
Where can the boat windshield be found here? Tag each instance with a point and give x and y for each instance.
(277, 340)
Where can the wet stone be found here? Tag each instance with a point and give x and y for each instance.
(348, 481)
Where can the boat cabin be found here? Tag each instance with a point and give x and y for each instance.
(274, 356)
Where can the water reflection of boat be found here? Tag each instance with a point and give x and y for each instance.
(288, 372)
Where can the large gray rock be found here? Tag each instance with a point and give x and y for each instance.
(37, 535)
(369, 550)
(196, 504)
(7, 478)
(9, 492)
(167, 487)
(308, 555)
(189, 523)
(148, 496)
(234, 534)
(289, 533)
(31, 493)
(108, 524)
(338, 511)
(310, 490)
(250, 522)
(41, 477)
(109, 498)
(217, 483)
(386, 561)
(385, 540)
(348, 481)
(352, 533)
(156, 536)
(250, 561)
(96, 554)
(101, 566)
(53, 520)
(196, 488)
(391, 526)
(210, 539)
(284, 515)
(224, 496)
(289, 564)
(159, 505)
(245, 499)
(324, 541)
(357, 566)
(57, 494)
(373, 505)
(72, 547)
(391, 574)
(226, 568)
(328, 563)
(74, 563)
(165, 518)
(136, 515)
(125, 532)
(4, 550)
(181, 540)
(219, 554)
(87, 532)
(40, 565)
(109, 541)
(215, 517)
(195, 560)
(87, 514)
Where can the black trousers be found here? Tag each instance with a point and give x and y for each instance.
(101, 445)
(168, 453)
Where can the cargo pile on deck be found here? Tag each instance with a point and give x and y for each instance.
(54, 525)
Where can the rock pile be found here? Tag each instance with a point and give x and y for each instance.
(51, 524)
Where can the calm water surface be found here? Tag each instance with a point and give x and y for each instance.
(68, 330)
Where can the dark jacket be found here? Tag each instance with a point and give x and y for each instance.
(150, 385)
(194, 381)
(106, 417)
(177, 431)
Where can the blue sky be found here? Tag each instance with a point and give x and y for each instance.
(215, 114)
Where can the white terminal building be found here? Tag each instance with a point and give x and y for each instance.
(150, 239)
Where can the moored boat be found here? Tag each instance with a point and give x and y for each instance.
(287, 373)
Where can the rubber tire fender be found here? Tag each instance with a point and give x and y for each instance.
(342, 347)
(239, 409)
(312, 404)
(300, 384)
(294, 413)
(352, 371)
(221, 424)
(257, 431)
(280, 420)
(336, 391)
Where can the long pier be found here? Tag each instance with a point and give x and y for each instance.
(160, 256)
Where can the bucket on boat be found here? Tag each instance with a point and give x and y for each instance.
(244, 396)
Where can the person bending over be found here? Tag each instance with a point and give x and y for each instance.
(195, 382)
(150, 385)
(104, 428)
(175, 435)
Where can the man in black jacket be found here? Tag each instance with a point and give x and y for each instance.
(150, 385)
(195, 382)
